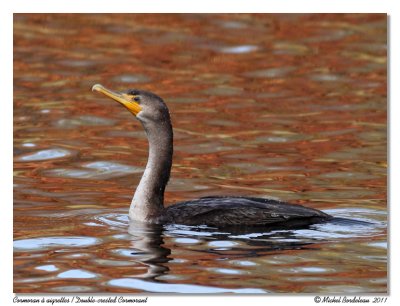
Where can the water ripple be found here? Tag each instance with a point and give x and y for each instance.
(44, 243)
(69, 123)
(77, 273)
(238, 49)
(131, 78)
(45, 155)
(95, 170)
(175, 288)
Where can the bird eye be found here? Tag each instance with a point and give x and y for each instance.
(136, 99)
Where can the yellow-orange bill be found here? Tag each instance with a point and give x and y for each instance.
(123, 99)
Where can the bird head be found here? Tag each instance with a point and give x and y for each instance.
(144, 105)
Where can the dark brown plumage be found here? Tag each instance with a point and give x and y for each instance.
(236, 211)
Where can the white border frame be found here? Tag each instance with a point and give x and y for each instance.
(204, 6)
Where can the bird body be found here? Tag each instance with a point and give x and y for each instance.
(148, 201)
(237, 211)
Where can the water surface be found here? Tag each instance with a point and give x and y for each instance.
(291, 107)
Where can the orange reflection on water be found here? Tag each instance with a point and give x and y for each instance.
(286, 106)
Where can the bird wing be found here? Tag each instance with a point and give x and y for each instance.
(225, 211)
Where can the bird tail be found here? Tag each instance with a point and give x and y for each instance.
(346, 221)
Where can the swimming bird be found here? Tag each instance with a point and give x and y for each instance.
(147, 205)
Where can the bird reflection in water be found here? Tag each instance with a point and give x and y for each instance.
(149, 243)
(147, 240)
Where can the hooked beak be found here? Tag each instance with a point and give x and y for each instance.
(124, 99)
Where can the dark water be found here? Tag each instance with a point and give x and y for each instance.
(291, 107)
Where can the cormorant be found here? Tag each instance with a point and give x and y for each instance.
(220, 211)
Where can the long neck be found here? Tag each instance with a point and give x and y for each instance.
(148, 201)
